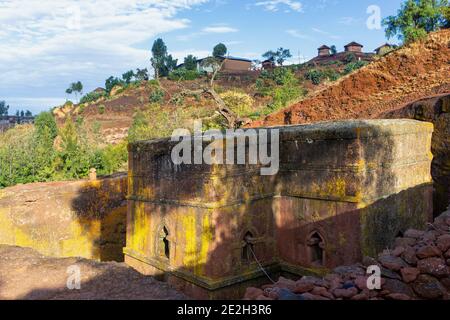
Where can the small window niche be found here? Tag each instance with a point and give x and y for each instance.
(164, 243)
(248, 248)
(316, 247)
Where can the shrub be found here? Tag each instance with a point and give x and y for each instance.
(282, 85)
(239, 102)
(177, 99)
(354, 66)
(157, 96)
(315, 76)
(350, 57)
(91, 97)
(156, 122)
(183, 74)
(101, 109)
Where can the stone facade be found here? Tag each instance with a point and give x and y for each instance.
(344, 190)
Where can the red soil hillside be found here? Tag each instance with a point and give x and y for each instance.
(410, 73)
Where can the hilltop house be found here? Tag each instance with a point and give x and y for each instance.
(230, 64)
(353, 48)
(324, 51)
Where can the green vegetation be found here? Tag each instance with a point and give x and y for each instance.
(316, 76)
(157, 96)
(92, 97)
(190, 63)
(76, 88)
(162, 62)
(3, 108)
(220, 50)
(279, 56)
(43, 153)
(156, 122)
(349, 68)
(183, 74)
(416, 18)
(333, 50)
(280, 84)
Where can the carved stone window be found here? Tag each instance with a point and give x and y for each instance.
(164, 243)
(248, 248)
(316, 247)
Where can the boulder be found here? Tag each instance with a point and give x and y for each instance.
(443, 242)
(252, 293)
(285, 283)
(285, 294)
(361, 296)
(392, 262)
(409, 255)
(434, 266)
(427, 252)
(303, 286)
(413, 233)
(409, 274)
(345, 293)
(428, 287)
(361, 282)
(322, 291)
(398, 251)
(397, 286)
(398, 296)
(403, 242)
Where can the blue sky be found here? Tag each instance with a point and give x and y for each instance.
(48, 44)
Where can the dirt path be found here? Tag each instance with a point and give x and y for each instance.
(26, 274)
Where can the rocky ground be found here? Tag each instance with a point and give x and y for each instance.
(417, 268)
(26, 274)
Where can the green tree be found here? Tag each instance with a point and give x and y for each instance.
(170, 65)
(220, 50)
(190, 62)
(46, 121)
(278, 56)
(110, 83)
(416, 18)
(161, 61)
(76, 88)
(159, 52)
(3, 108)
(333, 50)
(128, 76)
(141, 74)
(73, 158)
(44, 136)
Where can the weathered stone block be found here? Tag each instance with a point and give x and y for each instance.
(344, 190)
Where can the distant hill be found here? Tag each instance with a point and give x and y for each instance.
(407, 74)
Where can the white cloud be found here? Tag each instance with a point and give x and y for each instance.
(216, 28)
(326, 33)
(348, 21)
(180, 55)
(50, 41)
(219, 29)
(274, 5)
(298, 34)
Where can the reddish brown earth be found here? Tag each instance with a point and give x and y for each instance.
(26, 274)
(408, 74)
